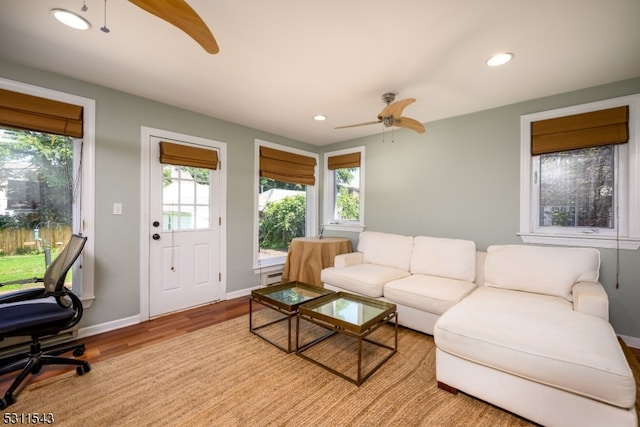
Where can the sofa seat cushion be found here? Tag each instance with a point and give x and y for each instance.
(365, 279)
(539, 338)
(429, 293)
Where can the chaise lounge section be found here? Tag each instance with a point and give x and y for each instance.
(535, 340)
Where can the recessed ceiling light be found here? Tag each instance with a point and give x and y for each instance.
(319, 117)
(70, 19)
(499, 59)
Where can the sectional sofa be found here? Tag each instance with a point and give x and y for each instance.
(522, 327)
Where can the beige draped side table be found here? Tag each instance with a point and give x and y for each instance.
(309, 255)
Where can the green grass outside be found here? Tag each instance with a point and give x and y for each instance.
(19, 267)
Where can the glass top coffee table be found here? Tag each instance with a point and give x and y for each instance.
(352, 319)
(283, 299)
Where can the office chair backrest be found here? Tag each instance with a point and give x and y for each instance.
(56, 273)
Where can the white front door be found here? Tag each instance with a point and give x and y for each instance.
(184, 233)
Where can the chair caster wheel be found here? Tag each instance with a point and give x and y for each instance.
(83, 369)
(6, 401)
(78, 352)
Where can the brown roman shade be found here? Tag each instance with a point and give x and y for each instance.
(185, 155)
(30, 112)
(351, 160)
(288, 167)
(603, 127)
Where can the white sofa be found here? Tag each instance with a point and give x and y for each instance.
(522, 327)
(424, 276)
(535, 340)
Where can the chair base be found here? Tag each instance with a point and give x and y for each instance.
(33, 361)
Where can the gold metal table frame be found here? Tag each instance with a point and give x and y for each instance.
(321, 312)
(284, 298)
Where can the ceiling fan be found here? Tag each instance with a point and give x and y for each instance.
(180, 14)
(391, 115)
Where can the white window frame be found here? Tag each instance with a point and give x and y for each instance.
(276, 263)
(330, 222)
(627, 233)
(83, 218)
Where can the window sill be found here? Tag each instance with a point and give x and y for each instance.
(590, 241)
(269, 267)
(87, 301)
(354, 228)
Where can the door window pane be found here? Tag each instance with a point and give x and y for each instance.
(185, 198)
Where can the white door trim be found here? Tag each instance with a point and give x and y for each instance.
(145, 134)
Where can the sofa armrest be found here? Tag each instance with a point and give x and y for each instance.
(345, 260)
(591, 298)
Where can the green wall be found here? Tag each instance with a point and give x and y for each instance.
(459, 179)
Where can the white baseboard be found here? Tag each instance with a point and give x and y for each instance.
(134, 320)
(631, 341)
(108, 326)
(240, 293)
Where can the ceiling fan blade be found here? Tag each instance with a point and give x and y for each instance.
(180, 14)
(359, 124)
(395, 108)
(406, 122)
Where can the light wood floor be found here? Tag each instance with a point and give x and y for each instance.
(121, 341)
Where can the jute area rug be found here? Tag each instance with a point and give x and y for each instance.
(224, 375)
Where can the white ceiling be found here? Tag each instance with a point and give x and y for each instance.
(283, 61)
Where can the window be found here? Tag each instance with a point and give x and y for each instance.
(46, 179)
(579, 175)
(344, 189)
(286, 200)
(186, 186)
(185, 198)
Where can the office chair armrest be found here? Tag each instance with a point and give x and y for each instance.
(77, 306)
(22, 281)
(22, 295)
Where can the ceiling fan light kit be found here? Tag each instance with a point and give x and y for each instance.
(391, 115)
(71, 19)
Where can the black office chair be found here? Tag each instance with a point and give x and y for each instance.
(41, 312)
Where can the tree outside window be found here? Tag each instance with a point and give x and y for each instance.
(36, 200)
(577, 188)
(347, 193)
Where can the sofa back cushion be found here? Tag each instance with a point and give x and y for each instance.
(540, 269)
(392, 250)
(450, 258)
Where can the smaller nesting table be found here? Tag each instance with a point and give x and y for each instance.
(286, 299)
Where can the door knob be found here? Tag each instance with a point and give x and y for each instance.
(156, 224)
(156, 236)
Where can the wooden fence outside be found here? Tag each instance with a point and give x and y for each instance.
(16, 241)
